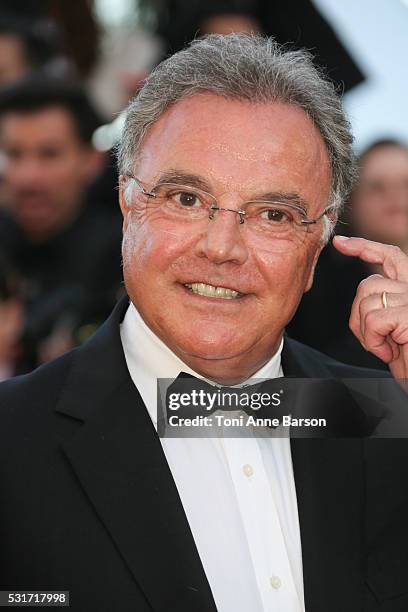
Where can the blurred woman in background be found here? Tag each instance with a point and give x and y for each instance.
(377, 210)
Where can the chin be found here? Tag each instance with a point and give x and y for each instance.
(215, 344)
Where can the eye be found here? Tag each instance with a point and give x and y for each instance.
(186, 199)
(276, 215)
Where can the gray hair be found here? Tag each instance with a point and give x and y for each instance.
(251, 68)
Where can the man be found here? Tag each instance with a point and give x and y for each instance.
(219, 159)
(66, 252)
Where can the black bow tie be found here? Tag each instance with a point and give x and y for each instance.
(188, 397)
(274, 399)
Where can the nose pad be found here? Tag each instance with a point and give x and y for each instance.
(215, 207)
(223, 242)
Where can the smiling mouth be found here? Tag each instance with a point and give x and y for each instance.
(213, 292)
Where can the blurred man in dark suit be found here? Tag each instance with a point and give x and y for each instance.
(66, 253)
(235, 159)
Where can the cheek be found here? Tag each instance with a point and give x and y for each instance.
(285, 270)
(365, 207)
(140, 255)
(284, 280)
(60, 182)
(71, 170)
(149, 249)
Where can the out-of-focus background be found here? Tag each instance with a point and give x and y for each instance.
(67, 71)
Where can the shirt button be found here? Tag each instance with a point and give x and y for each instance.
(248, 470)
(276, 582)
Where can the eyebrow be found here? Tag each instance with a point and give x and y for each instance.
(181, 178)
(193, 180)
(283, 198)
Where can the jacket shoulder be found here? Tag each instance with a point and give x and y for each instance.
(29, 395)
(319, 365)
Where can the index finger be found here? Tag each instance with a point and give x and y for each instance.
(393, 261)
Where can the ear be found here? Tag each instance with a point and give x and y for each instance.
(312, 269)
(124, 206)
(332, 217)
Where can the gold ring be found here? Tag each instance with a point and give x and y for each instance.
(384, 299)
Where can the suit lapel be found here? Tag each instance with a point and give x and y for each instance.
(118, 459)
(329, 480)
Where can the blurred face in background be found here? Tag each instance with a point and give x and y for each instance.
(379, 205)
(47, 168)
(226, 23)
(13, 60)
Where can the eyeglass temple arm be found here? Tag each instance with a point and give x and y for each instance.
(140, 186)
(314, 221)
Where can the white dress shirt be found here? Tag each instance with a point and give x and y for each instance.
(238, 493)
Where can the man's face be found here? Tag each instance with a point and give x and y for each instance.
(380, 201)
(240, 149)
(46, 170)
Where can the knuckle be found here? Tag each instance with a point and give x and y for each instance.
(396, 253)
(363, 308)
(371, 318)
(363, 283)
(369, 283)
(371, 279)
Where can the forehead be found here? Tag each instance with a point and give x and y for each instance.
(49, 124)
(238, 145)
(385, 163)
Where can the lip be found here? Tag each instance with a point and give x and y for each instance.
(211, 300)
(215, 284)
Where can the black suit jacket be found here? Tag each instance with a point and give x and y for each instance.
(88, 503)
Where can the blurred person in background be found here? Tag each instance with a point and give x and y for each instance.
(66, 251)
(297, 23)
(14, 57)
(377, 210)
(59, 38)
(379, 203)
(29, 44)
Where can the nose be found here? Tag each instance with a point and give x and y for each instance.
(400, 194)
(223, 240)
(27, 172)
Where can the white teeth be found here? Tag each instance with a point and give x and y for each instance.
(211, 291)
